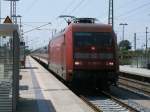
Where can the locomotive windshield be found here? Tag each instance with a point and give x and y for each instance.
(92, 39)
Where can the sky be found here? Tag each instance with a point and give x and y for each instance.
(136, 13)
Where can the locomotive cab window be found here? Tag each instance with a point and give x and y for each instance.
(92, 39)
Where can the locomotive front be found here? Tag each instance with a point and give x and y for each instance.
(94, 54)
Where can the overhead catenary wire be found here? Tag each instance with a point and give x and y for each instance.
(28, 25)
(68, 6)
(36, 22)
(55, 19)
(81, 6)
(129, 11)
(37, 27)
(134, 9)
(31, 5)
(77, 6)
(127, 4)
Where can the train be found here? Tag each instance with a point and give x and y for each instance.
(84, 53)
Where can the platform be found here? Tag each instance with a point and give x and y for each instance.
(135, 71)
(40, 91)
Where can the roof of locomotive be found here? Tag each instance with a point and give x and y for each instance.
(89, 26)
(95, 27)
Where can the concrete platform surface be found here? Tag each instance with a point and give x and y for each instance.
(40, 91)
(136, 71)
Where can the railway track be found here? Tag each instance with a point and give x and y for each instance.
(135, 85)
(105, 102)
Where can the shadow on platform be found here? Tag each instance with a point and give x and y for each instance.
(30, 68)
(31, 105)
(23, 87)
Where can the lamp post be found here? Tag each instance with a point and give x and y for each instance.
(123, 26)
(111, 13)
(0, 10)
(146, 48)
(146, 40)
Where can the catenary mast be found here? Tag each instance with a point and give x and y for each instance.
(111, 13)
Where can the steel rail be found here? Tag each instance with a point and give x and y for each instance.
(113, 103)
(90, 104)
(131, 109)
(136, 77)
(135, 81)
(134, 84)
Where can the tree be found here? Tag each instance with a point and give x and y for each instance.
(125, 44)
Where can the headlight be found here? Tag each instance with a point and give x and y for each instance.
(110, 63)
(77, 63)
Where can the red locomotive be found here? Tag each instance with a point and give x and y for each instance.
(85, 52)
